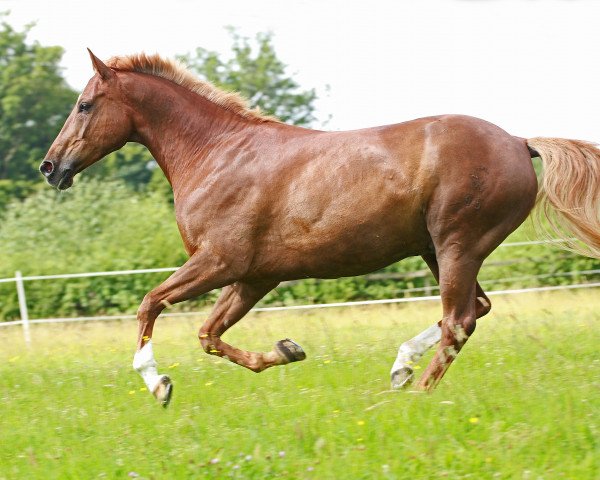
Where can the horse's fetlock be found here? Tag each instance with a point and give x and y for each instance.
(257, 365)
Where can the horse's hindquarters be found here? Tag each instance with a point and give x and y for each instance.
(486, 184)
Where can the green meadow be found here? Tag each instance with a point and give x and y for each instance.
(522, 401)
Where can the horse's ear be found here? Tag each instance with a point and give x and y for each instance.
(100, 68)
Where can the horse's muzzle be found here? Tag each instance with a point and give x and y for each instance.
(59, 178)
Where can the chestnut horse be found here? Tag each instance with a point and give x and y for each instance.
(258, 201)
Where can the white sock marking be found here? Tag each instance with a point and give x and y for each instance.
(413, 349)
(145, 365)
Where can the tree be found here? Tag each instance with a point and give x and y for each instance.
(258, 75)
(34, 101)
(132, 164)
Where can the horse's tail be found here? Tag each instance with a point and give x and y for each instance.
(569, 192)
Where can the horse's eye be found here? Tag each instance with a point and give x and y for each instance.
(85, 107)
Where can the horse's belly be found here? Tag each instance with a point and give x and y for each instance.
(343, 248)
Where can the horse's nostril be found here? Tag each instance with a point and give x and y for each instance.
(46, 167)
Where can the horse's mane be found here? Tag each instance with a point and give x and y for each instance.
(176, 72)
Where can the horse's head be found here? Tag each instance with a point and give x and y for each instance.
(99, 123)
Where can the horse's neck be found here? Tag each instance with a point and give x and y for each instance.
(180, 128)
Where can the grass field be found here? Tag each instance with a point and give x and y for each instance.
(522, 401)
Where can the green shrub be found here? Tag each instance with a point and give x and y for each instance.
(96, 226)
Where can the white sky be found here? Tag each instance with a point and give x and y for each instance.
(532, 67)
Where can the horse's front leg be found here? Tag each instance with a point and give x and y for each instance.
(235, 301)
(202, 273)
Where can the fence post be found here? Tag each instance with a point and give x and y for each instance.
(427, 284)
(23, 307)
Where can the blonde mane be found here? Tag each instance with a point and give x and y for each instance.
(176, 72)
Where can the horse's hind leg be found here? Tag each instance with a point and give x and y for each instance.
(458, 289)
(233, 303)
(411, 351)
(483, 305)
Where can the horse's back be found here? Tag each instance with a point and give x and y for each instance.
(330, 204)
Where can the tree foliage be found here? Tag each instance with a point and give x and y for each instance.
(34, 101)
(132, 164)
(258, 75)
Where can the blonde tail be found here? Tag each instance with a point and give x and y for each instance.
(569, 193)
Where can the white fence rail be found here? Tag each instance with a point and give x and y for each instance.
(25, 321)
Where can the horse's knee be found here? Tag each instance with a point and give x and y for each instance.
(208, 343)
(150, 306)
(484, 305)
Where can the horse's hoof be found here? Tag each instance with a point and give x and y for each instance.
(163, 391)
(290, 351)
(402, 378)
